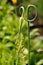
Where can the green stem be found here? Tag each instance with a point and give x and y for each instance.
(20, 30)
(28, 43)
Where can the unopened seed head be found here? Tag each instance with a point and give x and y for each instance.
(21, 19)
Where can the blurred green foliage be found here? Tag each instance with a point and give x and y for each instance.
(13, 49)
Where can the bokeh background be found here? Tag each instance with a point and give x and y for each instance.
(14, 45)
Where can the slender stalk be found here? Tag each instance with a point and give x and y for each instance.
(29, 20)
(20, 30)
(19, 45)
(28, 43)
